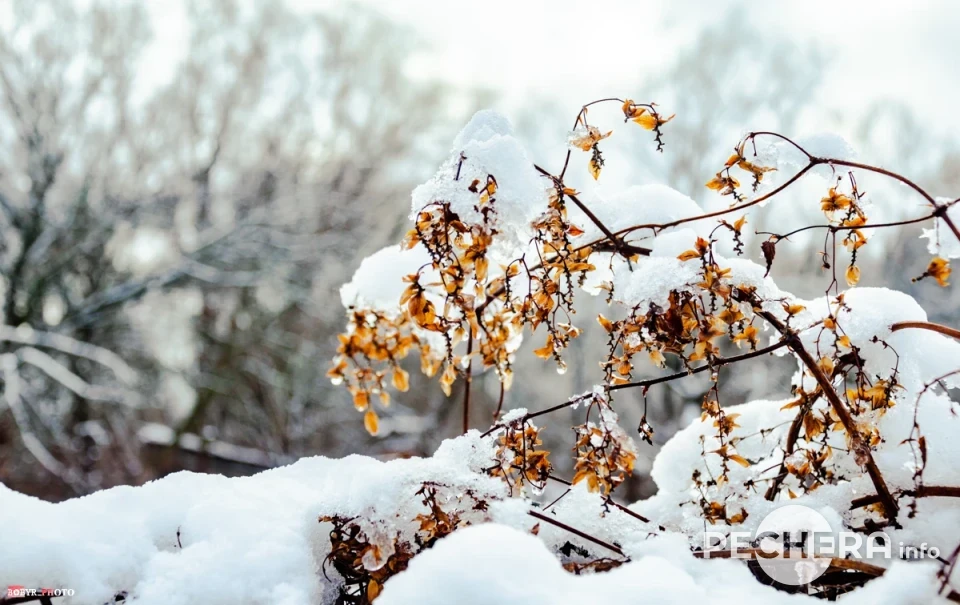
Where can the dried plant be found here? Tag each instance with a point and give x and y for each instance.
(469, 303)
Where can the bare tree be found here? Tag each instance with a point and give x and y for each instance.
(197, 228)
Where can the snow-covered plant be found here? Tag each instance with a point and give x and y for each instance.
(501, 247)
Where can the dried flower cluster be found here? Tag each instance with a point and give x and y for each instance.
(458, 297)
(366, 552)
(519, 461)
(605, 453)
(370, 351)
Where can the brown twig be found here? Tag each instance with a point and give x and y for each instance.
(499, 410)
(468, 383)
(836, 563)
(743, 206)
(792, 435)
(716, 363)
(926, 325)
(940, 210)
(608, 500)
(575, 532)
(619, 245)
(924, 491)
(858, 446)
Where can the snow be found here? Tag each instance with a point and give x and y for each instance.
(650, 204)
(828, 145)
(941, 240)
(651, 279)
(487, 147)
(496, 564)
(194, 538)
(867, 319)
(378, 282)
(241, 540)
(923, 357)
(191, 538)
(787, 159)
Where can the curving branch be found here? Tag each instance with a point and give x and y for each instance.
(860, 448)
(926, 325)
(26, 335)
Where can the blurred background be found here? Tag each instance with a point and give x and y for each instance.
(184, 186)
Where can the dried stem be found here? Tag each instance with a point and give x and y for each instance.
(713, 365)
(468, 383)
(858, 446)
(575, 531)
(836, 563)
(619, 245)
(499, 410)
(924, 491)
(926, 325)
(609, 501)
(792, 435)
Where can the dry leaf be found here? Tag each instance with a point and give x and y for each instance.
(853, 275)
(371, 422)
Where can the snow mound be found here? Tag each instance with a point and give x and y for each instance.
(649, 280)
(378, 282)
(651, 204)
(193, 538)
(496, 564)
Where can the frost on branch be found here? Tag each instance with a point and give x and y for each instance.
(940, 241)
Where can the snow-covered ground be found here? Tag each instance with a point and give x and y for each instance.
(191, 538)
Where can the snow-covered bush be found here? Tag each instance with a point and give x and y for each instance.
(499, 250)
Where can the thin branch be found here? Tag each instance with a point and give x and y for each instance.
(57, 371)
(619, 245)
(468, 383)
(716, 363)
(610, 501)
(924, 491)
(499, 410)
(926, 325)
(835, 228)
(9, 365)
(575, 532)
(861, 448)
(743, 206)
(792, 435)
(836, 563)
(28, 336)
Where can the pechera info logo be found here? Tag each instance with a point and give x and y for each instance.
(794, 545)
(16, 591)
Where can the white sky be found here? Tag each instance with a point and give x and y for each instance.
(907, 51)
(574, 50)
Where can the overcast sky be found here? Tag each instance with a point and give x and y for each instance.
(575, 50)
(906, 51)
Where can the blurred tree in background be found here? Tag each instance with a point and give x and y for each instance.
(197, 229)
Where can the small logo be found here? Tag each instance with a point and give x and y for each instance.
(17, 591)
(795, 545)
